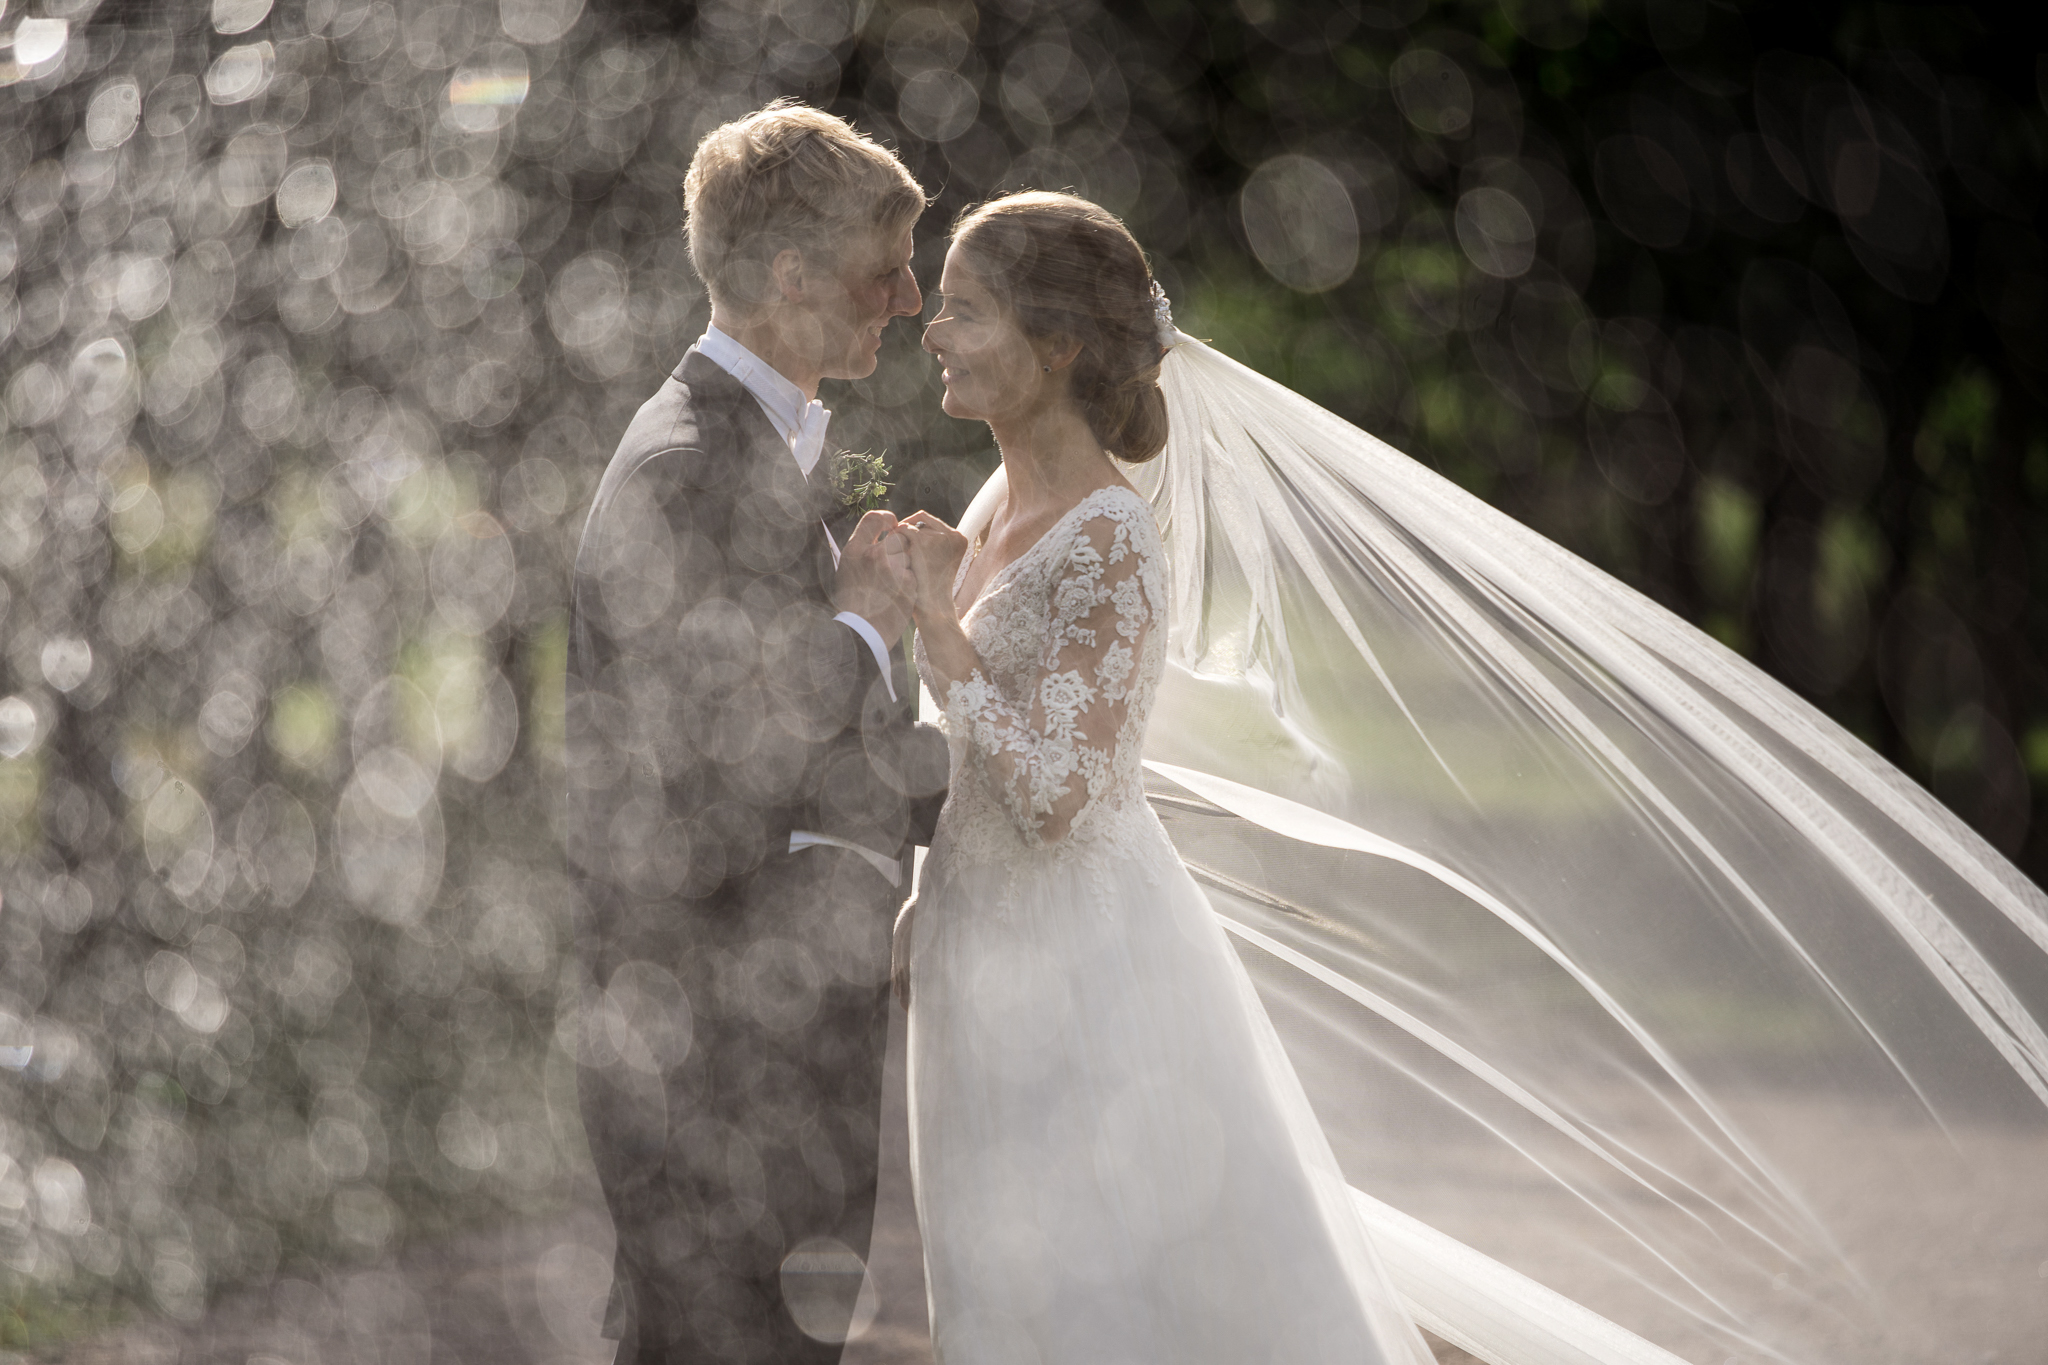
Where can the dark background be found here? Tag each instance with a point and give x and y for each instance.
(1739, 302)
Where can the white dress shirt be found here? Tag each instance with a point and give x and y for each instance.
(799, 421)
(802, 423)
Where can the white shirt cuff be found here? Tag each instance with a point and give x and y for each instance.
(876, 646)
(889, 867)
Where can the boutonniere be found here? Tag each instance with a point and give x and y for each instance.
(860, 480)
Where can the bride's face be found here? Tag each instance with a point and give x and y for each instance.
(992, 371)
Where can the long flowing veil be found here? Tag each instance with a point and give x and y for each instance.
(1651, 1015)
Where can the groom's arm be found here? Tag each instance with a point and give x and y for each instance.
(786, 710)
(732, 690)
(715, 681)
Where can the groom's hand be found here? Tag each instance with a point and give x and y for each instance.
(874, 574)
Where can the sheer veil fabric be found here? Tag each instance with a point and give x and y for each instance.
(1650, 1015)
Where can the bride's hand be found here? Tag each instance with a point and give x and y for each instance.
(935, 551)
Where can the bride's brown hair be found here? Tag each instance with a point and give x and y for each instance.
(1069, 269)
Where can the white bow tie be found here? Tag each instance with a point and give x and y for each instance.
(808, 445)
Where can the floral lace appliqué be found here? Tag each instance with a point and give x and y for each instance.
(1047, 741)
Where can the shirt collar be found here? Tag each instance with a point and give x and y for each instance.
(783, 401)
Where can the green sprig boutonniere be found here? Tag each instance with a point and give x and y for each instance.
(860, 480)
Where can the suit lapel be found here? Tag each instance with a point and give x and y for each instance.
(724, 400)
(765, 456)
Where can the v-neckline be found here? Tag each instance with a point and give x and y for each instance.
(995, 579)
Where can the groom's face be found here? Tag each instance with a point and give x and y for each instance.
(854, 299)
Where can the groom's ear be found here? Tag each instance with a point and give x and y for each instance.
(787, 272)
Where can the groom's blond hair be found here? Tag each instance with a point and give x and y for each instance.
(786, 176)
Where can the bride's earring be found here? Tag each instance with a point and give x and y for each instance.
(1046, 368)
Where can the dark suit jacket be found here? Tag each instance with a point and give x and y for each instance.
(714, 704)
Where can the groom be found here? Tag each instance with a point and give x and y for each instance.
(745, 777)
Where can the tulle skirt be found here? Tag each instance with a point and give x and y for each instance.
(1114, 1161)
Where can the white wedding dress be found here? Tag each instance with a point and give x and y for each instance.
(1114, 1161)
(1650, 1016)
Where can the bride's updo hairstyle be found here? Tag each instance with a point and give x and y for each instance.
(1070, 270)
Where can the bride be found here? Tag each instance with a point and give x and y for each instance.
(1647, 1015)
(1113, 1159)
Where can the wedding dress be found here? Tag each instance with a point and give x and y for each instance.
(1114, 1161)
(1648, 1014)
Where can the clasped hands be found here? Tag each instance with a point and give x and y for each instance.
(892, 571)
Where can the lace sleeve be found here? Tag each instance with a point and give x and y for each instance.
(1051, 760)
